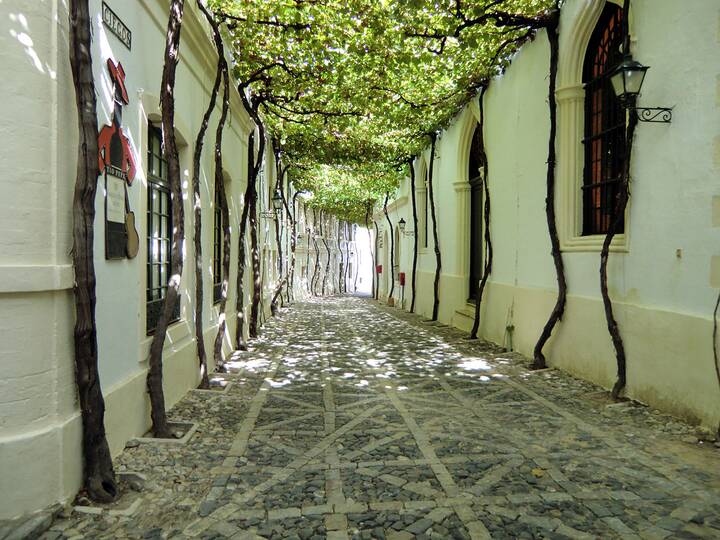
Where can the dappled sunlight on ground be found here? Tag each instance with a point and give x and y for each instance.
(348, 419)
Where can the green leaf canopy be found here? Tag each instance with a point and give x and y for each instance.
(351, 89)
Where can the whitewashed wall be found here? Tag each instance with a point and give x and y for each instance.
(40, 452)
(664, 273)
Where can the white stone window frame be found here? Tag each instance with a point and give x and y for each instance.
(423, 212)
(576, 27)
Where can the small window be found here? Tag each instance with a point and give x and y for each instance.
(217, 248)
(476, 163)
(159, 231)
(604, 142)
(422, 212)
(396, 254)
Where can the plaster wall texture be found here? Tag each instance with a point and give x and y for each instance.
(661, 275)
(40, 430)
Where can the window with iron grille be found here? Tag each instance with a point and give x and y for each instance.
(159, 227)
(604, 140)
(217, 248)
(475, 170)
(425, 212)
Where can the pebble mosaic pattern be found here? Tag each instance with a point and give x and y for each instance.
(351, 420)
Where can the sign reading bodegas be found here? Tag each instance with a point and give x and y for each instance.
(116, 26)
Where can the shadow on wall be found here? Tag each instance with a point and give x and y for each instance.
(364, 262)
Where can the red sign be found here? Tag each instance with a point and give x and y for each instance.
(115, 154)
(402, 279)
(378, 268)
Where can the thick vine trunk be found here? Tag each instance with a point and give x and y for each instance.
(415, 235)
(618, 218)
(488, 243)
(293, 245)
(197, 208)
(347, 255)
(257, 276)
(316, 269)
(242, 255)
(391, 262)
(327, 248)
(436, 240)
(98, 472)
(158, 415)
(220, 186)
(559, 309)
(341, 269)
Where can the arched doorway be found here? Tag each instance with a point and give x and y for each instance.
(475, 176)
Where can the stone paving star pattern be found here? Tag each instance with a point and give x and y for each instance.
(348, 419)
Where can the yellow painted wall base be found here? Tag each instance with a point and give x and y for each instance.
(669, 354)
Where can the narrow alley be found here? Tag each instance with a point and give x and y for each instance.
(348, 419)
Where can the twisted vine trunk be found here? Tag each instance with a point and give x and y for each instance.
(98, 472)
(284, 280)
(488, 243)
(341, 269)
(347, 254)
(293, 243)
(251, 202)
(197, 209)
(307, 254)
(438, 258)
(618, 219)
(392, 250)
(158, 415)
(257, 276)
(220, 186)
(242, 255)
(327, 248)
(316, 270)
(557, 312)
(415, 234)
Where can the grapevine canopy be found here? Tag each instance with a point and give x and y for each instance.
(350, 90)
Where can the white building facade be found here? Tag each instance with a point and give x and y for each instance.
(40, 426)
(664, 267)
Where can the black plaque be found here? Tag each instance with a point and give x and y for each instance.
(116, 26)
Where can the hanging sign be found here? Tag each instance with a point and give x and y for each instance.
(116, 26)
(116, 162)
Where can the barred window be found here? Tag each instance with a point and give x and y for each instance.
(217, 248)
(159, 227)
(475, 171)
(604, 124)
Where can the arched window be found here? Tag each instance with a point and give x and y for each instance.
(422, 208)
(475, 171)
(397, 253)
(217, 247)
(604, 140)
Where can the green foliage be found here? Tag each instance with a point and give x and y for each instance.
(352, 88)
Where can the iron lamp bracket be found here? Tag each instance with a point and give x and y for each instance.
(658, 115)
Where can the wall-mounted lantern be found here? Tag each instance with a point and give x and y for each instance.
(277, 200)
(627, 80)
(402, 225)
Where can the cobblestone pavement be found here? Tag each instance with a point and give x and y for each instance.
(352, 420)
